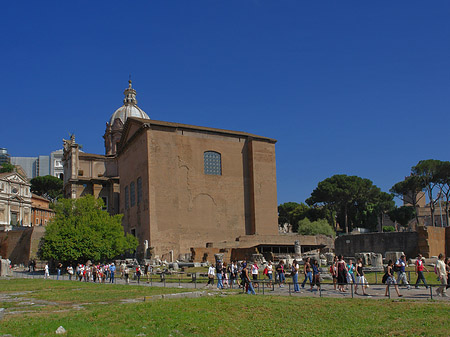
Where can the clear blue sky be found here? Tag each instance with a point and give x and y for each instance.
(346, 87)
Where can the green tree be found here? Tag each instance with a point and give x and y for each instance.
(443, 179)
(428, 173)
(47, 186)
(354, 200)
(402, 215)
(6, 168)
(82, 231)
(321, 226)
(408, 191)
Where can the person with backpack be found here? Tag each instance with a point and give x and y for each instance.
(419, 271)
(401, 271)
(270, 272)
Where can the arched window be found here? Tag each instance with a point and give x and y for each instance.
(212, 163)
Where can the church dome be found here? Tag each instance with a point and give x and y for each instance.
(129, 107)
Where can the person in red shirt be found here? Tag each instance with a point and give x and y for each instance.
(419, 271)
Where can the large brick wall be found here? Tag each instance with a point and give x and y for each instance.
(20, 246)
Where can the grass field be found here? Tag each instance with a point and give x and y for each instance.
(86, 309)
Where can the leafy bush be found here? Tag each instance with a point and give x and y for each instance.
(321, 226)
(388, 229)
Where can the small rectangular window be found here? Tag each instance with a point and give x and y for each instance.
(139, 190)
(127, 201)
(132, 194)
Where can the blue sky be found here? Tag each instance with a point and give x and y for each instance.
(346, 87)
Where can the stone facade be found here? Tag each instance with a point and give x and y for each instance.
(41, 213)
(86, 173)
(15, 201)
(169, 199)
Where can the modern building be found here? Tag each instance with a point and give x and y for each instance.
(41, 165)
(4, 156)
(15, 201)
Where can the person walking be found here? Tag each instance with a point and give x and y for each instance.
(333, 271)
(58, 270)
(294, 272)
(211, 274)
(419, 266)
(442, 274)
(401, 266)
(316, 275)
(70, 272)
(341, 273)
(112, 271)
(307, 272)
(138, 274)
(270, 273)
(360, 278)
(280, 272)
(46, 272)
(219, 269)
(246, 278)
(390, 279)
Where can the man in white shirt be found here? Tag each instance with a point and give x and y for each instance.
(211, 274)
(442, 273)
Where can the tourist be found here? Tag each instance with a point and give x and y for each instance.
(246, 279)
(442, 274)
(333, 271)
(70, 272)
(447, 268)
(233, 273)
(360, 278)
(138, 273)
(219, 269)
(270, 272)
(341, 273)
(390, 279)
(211, 274)
(255, 271)
(225, 274)
(401, 266)
(307, 272)
(316, 275)
(126, 274)
(112, 271)
(46, 272)
(58, 270)
(350, 273)
(294, 273)
(419, 266)
(280, 272)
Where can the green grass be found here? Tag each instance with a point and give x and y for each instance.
(213, 315)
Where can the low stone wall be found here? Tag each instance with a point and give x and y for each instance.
(349, 245)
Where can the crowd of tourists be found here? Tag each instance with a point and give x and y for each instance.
(247, 275)
(343, 274)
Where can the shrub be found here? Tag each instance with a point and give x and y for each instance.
(321, 226)
(388, 229)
